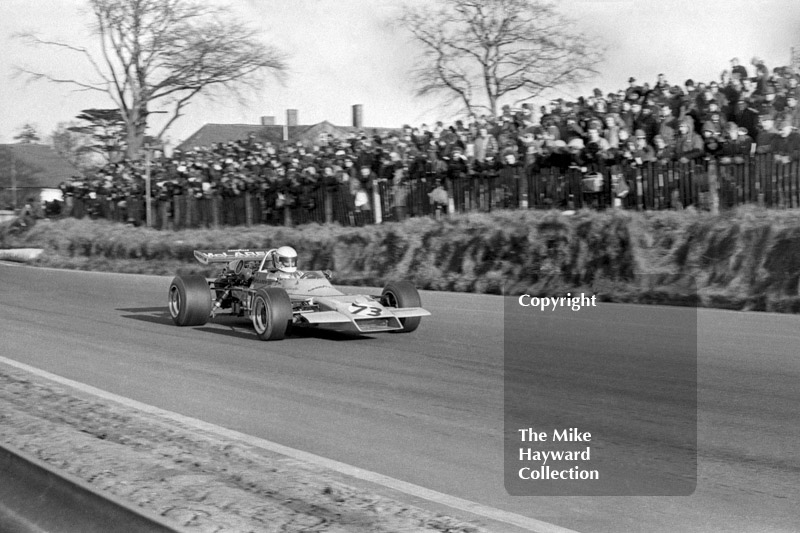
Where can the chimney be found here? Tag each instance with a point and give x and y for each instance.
(358, 116)
(267, 121)
(291, 117)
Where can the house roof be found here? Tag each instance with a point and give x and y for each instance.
(222, 133)
(36, 165)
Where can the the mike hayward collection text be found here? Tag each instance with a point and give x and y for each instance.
(545, 471)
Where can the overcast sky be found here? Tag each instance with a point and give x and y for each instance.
(345, 52)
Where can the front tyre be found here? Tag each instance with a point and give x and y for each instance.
(189, 300)
(402, 294)
(271, 313)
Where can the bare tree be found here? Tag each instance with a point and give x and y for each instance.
(477, 52)
(164, 53)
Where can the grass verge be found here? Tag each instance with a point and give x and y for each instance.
(746, 258)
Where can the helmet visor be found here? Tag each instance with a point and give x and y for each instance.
(287, 262)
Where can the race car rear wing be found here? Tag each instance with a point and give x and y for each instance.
(224, 256)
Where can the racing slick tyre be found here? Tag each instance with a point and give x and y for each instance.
(271, 313)
(402, 294)
(189, 300)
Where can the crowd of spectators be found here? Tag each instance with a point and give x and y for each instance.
(748, 110)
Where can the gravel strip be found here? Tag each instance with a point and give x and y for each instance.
(199, 481)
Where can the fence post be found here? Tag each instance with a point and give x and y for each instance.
(639, 190)
(190, 210)
(177, 212)
(713, 186)
(215, 211)
(248, 209)
(376, 202)
(328, 199)
(163, 214)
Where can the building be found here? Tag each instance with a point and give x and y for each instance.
(31, 171)
(268, 131)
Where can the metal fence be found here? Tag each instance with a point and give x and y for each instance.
(708, 184)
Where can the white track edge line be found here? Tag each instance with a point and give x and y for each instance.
(531, 524)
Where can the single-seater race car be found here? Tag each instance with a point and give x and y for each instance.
(252, 285)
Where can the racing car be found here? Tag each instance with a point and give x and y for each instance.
(253, 284)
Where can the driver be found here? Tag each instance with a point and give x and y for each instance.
(284, 263)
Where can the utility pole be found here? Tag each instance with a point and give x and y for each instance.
(13, 181)
(147, 200)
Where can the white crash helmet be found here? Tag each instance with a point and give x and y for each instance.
(286, 259)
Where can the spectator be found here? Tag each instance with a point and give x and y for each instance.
(647, 122)
(737, 69)
(766, 134)
(746, 118)
(786, 144)
(791, 113)
(666, 125)
(662, 152)
(642, 151)
(688, 144)
(737, 145)
(485, 146)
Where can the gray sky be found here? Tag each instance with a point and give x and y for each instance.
(344, 52)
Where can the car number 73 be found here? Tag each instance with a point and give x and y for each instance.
(364, 309)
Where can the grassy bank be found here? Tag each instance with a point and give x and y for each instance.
(744, 259)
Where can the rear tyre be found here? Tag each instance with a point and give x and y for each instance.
(189, 300)
(402, 294)
(271, 313)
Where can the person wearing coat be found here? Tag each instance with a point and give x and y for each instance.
(688, 144)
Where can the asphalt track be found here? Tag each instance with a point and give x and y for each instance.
(426, 408)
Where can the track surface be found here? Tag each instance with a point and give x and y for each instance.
(426, 407)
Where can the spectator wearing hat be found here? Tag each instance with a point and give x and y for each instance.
(611, 127)
(778, 80)
(762, 75)
(642, 151)
(598, 149)
(647, 121)
(745, 117)
(712, 139)
(767, 104)
(748, 91)
(486, 146)
(666, 125)
(737, 144)
(737, 69)
(575, 149)
(690, 92)
(767, 132)
(661, 82)
(715, 122)
(662, 151)
(628, 114)
(786, 144)
(688, 144)
(571, 129)
(791, 112)
(719, 96)
(732, 91)
(633, 92)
